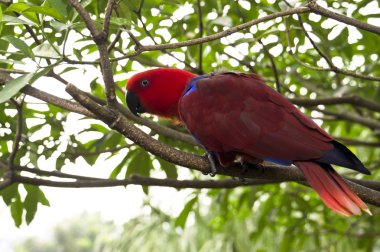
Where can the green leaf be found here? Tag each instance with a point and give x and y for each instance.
(43, 72)
(20, 8)
(16, 211)
(1, 15)
(223, 21)
(17, 7)
(169, 168)
(46, 11)
(33, 197)
(60, 6)
(12, 87)
(120, 21)
(140, 164)
(122, 164)
(19, 44)
(46, 50)
(10, 20)
(182, 217)
(9, 193)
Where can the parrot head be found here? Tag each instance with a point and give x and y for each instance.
(157, 91)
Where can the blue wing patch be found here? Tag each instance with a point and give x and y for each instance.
(279, 161)
(192, 86)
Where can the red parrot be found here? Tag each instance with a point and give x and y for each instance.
(237, 117)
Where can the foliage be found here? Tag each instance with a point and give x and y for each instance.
(85, 232)
(45, 45)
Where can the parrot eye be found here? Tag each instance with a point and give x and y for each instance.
(144, 83)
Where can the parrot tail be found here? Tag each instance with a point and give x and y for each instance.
(332, 189)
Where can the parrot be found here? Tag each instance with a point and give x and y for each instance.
(237, 117)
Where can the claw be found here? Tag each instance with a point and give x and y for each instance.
(243, 171)
(212, 161)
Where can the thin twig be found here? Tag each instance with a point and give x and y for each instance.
(18, 133)
(335, 69)
(353, 100)
(218, 35)
(273, 64)
(351, 117)
(200, 21)
(314, 7)
(86, 18)
(107, 16)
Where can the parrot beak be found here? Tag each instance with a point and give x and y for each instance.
(133, 103)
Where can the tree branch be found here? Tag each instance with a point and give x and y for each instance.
(273, 64)
(100, 39)
(330, 69)
(216, 35)
(57, 101)
(314, 7)
(143, 181)
(18, 133)
(352, 117)
(86, 18)
(107, 17)
(200, 21)
(353, 100)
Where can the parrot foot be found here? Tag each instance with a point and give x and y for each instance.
(211, 159)
(243, 170)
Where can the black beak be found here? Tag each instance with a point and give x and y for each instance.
(133, 103)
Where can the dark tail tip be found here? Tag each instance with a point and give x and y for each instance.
(356, 163)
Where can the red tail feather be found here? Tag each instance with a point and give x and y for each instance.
(332, 189)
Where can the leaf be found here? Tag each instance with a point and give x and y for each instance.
(169, 168)
(43, 72)
(60, 6)
(46, 11)
(68, 69)
(182, 217)
(20, 8)
(10, 20)
(12, 87)
(123, 163)
(9, 193)
(16, 211)
(121, 21)
(17, 7)
(33, 197)
(46, 50)
(19, 44)
(223, 21)
(140, 164)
